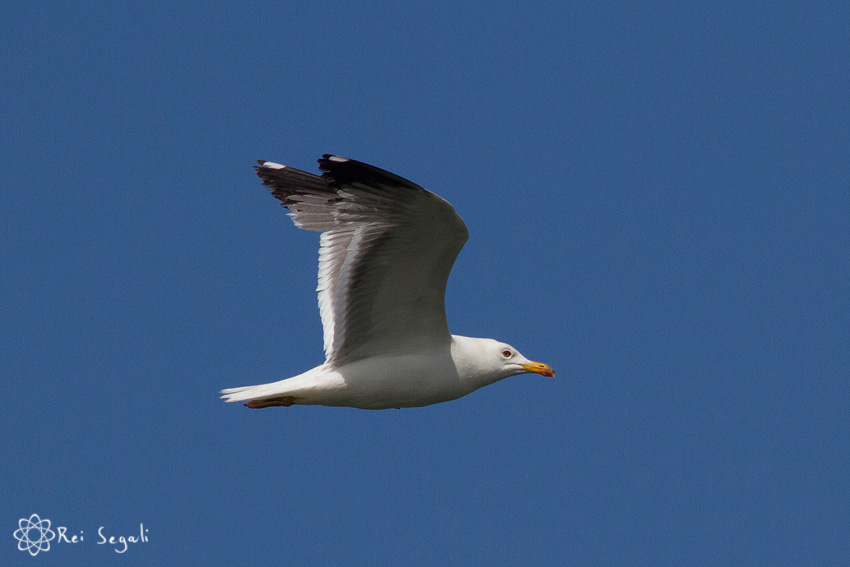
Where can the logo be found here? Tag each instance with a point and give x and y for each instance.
(34, 534)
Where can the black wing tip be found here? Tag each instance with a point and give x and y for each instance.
(265, 170)
(283, 181)
(337, 171)
(334, 157)
(341, 171)
(331, 162)
(265, 164)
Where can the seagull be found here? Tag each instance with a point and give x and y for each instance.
(386, 249)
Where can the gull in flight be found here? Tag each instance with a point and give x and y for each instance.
(386, 249)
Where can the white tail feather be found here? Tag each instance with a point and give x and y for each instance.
(290, 386)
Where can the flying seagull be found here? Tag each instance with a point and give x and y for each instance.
(386, 249)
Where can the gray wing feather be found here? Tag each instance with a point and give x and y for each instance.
(387, 248)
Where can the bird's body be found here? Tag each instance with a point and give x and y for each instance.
(387, 248)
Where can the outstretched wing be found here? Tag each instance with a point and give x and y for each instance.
(387, 247)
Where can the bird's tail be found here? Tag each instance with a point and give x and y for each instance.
(281, 393)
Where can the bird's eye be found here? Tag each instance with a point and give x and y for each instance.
(507, 354)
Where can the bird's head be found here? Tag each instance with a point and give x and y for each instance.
(496, 359)
(515, 363)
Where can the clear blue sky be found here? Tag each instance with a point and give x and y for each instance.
(658, 197)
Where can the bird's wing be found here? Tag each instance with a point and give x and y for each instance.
(387, 247)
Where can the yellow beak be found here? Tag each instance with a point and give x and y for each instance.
(539, 368)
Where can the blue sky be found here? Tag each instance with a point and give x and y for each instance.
(658, 202)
